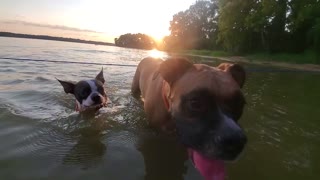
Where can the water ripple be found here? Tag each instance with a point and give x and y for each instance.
(42, 136)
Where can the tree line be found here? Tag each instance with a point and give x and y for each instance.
(243, 26)
(139, 41)
(240, 26)
(53, 38)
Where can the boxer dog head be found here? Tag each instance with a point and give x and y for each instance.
(206, 103)
(89, 94)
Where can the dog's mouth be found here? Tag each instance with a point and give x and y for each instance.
(95, 107)
(210, 169)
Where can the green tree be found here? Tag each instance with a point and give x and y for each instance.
(304, 24)
(234, 35)
(194, 28)
(269, 25)
(139, 41)
(243, 26)
(246, 25)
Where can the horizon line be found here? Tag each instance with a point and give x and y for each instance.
(55, 38)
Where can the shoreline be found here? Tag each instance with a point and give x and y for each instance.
(240, 59)
(53, 38)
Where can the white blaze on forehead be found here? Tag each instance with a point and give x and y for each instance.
(94, 89)
(92, 85)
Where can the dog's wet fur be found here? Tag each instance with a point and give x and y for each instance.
(204, 103)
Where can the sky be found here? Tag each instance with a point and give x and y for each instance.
(101, 20)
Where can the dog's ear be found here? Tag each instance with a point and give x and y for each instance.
(173, 68)
(100, 77)
(67, 86)
(237, 71)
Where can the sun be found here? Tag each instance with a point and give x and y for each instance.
(157, 34)
(157, 38)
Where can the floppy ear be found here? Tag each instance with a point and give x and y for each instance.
(173, 68)
(67, 86)
(237, 71)
(100, 77)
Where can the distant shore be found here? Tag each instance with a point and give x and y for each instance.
(52, 38)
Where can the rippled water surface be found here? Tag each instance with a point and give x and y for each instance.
(42, 137)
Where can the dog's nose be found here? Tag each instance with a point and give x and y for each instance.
(231, 138)
(233, 144)
(96, 98)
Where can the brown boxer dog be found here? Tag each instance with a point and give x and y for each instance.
(202, 104)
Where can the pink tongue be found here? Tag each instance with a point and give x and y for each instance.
(208, 168)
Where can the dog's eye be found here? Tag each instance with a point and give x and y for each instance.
(85, 93)
(197, 105)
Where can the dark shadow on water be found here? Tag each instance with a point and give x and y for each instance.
(89, 150)
(164, 157)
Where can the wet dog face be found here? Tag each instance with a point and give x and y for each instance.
(89, 94)
(209, 125)
(206, 103)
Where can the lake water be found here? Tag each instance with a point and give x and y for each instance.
(42, 137)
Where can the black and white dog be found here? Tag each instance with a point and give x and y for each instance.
(89, 94)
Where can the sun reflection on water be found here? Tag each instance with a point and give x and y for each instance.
(157, 54)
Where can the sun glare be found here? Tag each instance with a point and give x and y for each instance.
(156, 54)
(157, 38)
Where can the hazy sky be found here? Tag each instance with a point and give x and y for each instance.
(90, 19)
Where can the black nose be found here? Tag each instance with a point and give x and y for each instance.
(96, 98)
(233, 144)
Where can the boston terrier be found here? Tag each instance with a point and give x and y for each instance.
(89, 94)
